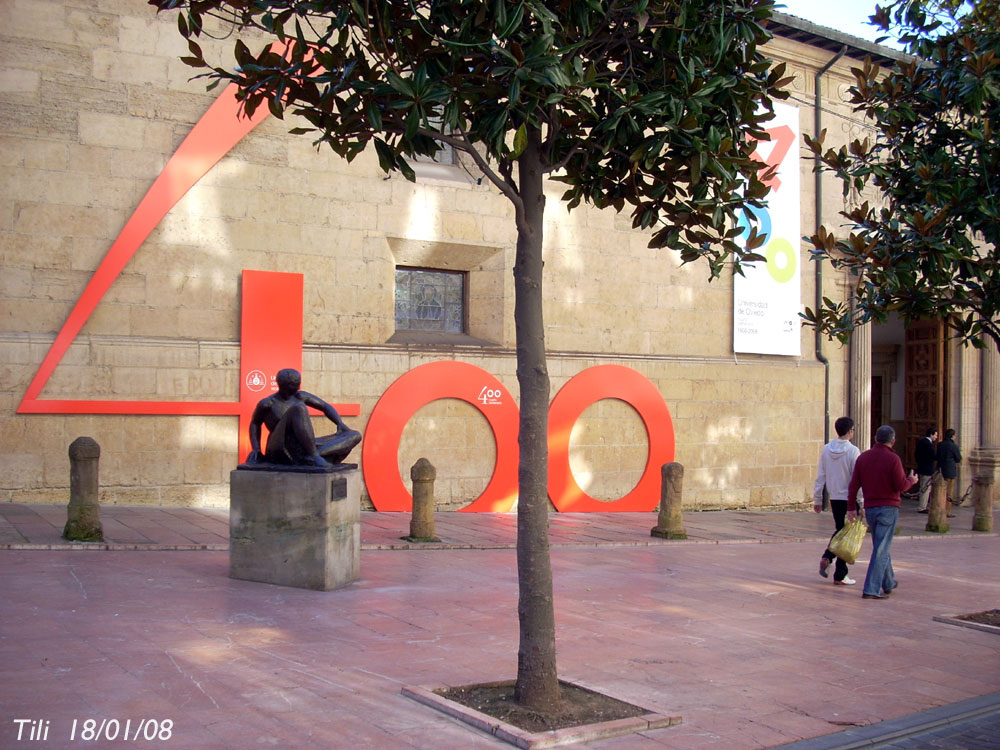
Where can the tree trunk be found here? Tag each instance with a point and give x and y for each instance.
(537, 683)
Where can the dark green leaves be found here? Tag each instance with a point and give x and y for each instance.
(646, 106)
(932, 248)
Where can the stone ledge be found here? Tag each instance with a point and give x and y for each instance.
(536, 740)
(956, 620)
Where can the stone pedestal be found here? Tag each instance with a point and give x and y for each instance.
(295, 529)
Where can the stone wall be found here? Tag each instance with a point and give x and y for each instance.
(94, 102)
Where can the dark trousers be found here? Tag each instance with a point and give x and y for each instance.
(839, 508)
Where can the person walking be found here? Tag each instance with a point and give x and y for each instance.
(836, 465)
(948, 459)
(926, 456)
(878, 473)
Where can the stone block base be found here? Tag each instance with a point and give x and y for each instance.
(668, 533)
(295, 529)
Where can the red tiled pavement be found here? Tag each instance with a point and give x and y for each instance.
(744, 640)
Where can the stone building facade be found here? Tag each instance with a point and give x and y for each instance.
(95, 102)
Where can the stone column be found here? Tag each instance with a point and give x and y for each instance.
(423, 475)
(860, 398)
(669, 521)
(984, 461)
(83, 515)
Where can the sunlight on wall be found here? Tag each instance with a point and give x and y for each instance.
(680, 297)
(191, 433)
(609, 448)
(202, 223)
(423, 213)
(727, 430)
(219, 435)
(198, 220)
(458, 442)
(562, 230)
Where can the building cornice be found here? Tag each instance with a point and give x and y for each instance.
(799, 30)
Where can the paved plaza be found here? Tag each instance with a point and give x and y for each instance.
(733, 630)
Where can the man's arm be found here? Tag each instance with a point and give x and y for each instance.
(859, 499)
(819, 484)
(317, 403)
(900, 481)
(254, 432)
(852, 492)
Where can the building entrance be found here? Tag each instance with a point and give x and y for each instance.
(909, 382)
(926, 382)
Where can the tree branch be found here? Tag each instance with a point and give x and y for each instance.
(504, 184)
(563, 162)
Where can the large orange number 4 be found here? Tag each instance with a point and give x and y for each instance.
(267, 344)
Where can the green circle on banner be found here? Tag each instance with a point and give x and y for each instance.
(781, 249)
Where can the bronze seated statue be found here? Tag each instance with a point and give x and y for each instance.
(291, 441)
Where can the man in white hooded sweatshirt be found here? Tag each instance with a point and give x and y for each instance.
(836, 464)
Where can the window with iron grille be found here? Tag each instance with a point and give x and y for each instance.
(430, 300)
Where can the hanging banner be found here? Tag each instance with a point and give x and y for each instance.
(767, 299)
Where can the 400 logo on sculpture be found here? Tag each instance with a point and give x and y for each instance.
(475, 386)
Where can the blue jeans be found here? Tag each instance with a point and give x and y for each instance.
(882, 522)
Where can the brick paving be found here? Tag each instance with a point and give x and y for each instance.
(734, 630)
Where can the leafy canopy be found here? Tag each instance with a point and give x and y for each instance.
(927, 243)
(650, 105)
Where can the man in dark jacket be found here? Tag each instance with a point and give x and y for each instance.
(879, 473)
(948, 458)
(926, 456)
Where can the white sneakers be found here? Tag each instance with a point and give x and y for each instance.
(845, 582)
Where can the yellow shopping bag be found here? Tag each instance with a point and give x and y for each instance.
(846, 543)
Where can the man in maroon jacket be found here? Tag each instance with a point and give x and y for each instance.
(879, 473)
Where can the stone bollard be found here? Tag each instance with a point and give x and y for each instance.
(982, 499)
(83, 515)
(670, 522)
(937, 513)
(423, 474)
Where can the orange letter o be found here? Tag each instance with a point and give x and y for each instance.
(583, 389)
(418, 387)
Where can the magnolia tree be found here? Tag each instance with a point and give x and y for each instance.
(648, 106)
(927, 244)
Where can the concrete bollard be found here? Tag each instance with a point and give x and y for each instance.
(423, 475)
(937, 513)
(669, 521)
(982, 499)
(83, 515)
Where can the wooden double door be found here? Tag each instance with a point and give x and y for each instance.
(926, 378)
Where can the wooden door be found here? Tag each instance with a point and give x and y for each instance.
(926, 384)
